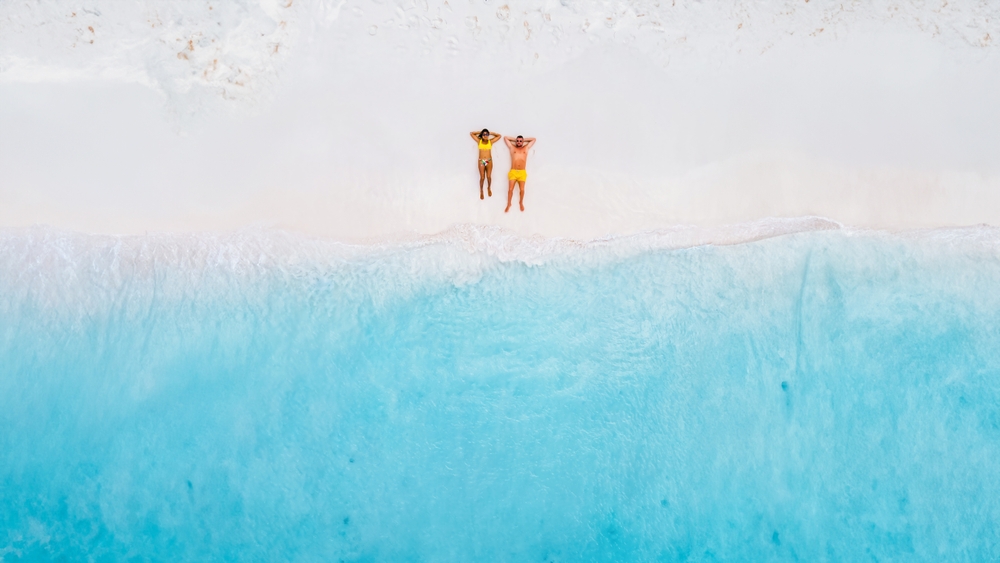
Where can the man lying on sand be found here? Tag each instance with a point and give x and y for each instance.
(518, 159)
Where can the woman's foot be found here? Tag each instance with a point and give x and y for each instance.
(481, 194)
(489, 191)
(508, 208)
(522, 206)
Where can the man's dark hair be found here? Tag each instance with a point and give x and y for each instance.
(520, 137)
(484, 132)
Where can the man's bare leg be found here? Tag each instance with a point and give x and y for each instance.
(521, 202)
(510, 194)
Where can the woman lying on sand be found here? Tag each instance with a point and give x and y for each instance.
(485, 164)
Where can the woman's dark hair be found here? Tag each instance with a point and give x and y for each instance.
(484, 132)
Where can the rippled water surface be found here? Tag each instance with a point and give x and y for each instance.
(815, 396)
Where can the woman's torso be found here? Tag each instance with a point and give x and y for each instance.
(485, 149)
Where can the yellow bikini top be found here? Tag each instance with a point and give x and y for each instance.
(485, 146)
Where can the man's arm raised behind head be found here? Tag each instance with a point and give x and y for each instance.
(529, 142)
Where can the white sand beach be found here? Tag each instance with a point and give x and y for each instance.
(350, 119)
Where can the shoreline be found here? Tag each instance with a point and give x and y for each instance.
(492, 240)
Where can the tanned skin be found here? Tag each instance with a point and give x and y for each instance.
(518, 160)
(485, 170)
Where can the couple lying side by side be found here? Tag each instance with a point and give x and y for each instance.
(518, 159)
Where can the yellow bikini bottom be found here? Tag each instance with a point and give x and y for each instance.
(517, 175)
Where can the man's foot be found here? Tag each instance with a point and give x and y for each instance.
(489, 191)
(508, 208)
(522, 206)
(481, 194)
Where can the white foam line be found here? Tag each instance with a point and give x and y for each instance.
(505, 246)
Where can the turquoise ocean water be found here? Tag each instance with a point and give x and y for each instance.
(821, 396)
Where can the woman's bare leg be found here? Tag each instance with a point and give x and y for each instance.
(489, 178)
(482, 178)
(510, 194)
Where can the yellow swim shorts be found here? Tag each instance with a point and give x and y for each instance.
(517, 175)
